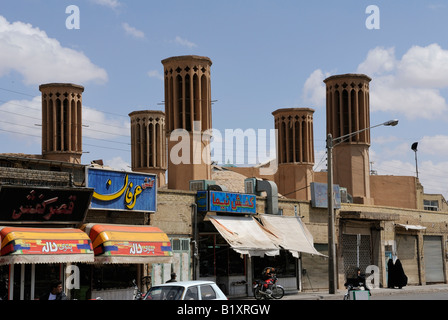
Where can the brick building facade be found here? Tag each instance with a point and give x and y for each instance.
(381, 224)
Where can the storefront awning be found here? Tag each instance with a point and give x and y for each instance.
(129, 243)
(411, 226)
(44, 245)
(244, 235)
(289, 233)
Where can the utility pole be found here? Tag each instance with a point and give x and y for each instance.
(332, 276)
(332, 271)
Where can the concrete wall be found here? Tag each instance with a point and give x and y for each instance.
(174, 212)
(395, 191)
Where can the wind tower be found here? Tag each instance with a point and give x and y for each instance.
(295, 152)
(348, 113)
(188, 119)
(148, 143)
(62, 122)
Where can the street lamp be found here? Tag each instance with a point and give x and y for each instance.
(332, 276)
(414, 148)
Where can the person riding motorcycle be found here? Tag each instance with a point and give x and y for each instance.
(267, 276)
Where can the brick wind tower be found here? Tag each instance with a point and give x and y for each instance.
(62, 122)
(348, 111)
(148, 143)
(187, 110)
(295, 152)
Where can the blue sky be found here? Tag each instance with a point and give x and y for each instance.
(266, 55)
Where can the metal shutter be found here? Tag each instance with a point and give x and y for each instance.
(407, 253)
(432, 250)
(356, 252)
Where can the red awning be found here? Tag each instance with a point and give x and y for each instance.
(129, 243)
(44, 245)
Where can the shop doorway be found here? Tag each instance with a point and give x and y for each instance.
(221, 264)
(31, 281)
(286, 269)
(408, 255)
(27, 281)
(356, 252)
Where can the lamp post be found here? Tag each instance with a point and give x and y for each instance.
(414, 148)
(332, 275)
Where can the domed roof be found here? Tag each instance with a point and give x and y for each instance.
(233, 181)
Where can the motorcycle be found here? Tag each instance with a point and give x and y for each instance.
(268, 289)
(351, 287)
(138, 294)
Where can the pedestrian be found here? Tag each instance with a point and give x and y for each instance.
(361, 280)
(173, 277)
(55, 292)
(391, 279)
(401, 278)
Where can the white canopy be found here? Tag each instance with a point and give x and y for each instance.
(244, 235)
(248, 236)
(411, 226)
(289, 233)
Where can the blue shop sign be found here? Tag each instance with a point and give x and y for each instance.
(219, 201)
(319, 195)
(120, 190)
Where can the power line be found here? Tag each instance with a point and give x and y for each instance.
(16, 92)
(37, 109)
(22, 133)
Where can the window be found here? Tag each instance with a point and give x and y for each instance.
(431, 205)
(192, 293)
(207, 292)
(180, 244)
(218, 258)
(165, 293)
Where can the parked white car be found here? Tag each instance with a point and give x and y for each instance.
(186, 290)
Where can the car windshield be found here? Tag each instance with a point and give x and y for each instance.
(165, 293)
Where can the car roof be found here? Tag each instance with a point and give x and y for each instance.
(184, 283)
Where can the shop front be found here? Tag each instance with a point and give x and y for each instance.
(39, 240)
(120, 252)
(236, 243)
(125, 251)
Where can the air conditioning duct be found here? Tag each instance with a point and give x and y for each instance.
(217, 187)
(199, 185)
(272, 195)
(250, 186)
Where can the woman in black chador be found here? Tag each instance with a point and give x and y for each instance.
(390, 274)
(401, 278)
(396, 276)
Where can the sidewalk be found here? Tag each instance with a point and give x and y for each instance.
(324, 295)
(339, 295)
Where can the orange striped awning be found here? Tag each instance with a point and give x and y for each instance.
(128, 243)
(44, 245)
